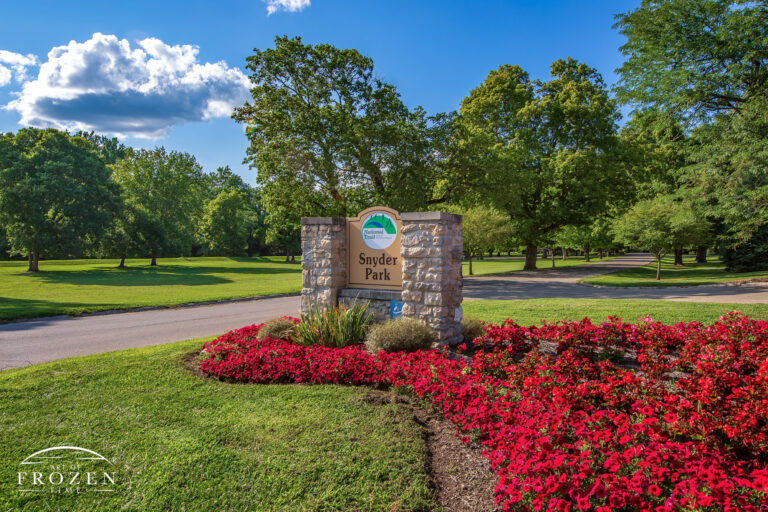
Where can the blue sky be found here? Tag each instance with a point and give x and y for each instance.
(137, 78)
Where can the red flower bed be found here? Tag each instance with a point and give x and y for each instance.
(575, 431)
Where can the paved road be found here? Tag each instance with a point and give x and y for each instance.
(48, 339)
(51, 338)
(563, 283)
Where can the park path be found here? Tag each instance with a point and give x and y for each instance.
(563, 283)
(48, 339)
(51, 338)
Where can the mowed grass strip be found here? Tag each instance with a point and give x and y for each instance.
(179, 442)
(533, 311)
(506, 264)
(691, 274)
(79, 286)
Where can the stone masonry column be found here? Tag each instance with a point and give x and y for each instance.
(323, 260)
(432, 282)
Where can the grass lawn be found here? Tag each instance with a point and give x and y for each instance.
(80, 286)
(178, 442)
(504, 264)
(73, 287)
(529, 312)
(690, 275)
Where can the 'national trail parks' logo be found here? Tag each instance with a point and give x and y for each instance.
(378, 231)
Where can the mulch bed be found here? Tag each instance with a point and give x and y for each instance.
(461, 478)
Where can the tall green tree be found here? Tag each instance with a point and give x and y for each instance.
(729, 158)
(108, 147)
(283, 232)
(549, 149)
(483, 229)
(130, 233)
(705, 63)
(587, 237)
(661, 225)
(322, 123)
(646, 225)
(692, 59)
(55, 191)
(168, 191)
(223, 225)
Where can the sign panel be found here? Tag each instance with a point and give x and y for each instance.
(373, 255)
(396, 308)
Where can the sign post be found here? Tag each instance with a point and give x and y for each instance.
(398, 265)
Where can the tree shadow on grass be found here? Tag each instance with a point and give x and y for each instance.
(15, 308)
(162, 275)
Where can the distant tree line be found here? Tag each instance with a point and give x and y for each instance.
(85, 195)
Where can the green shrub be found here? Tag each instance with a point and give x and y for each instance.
(749, 256)
(278, 328)
(400, 335)
(338, 326)
(471, 328)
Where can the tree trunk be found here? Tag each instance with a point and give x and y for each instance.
(544, 254)
(678, 257)
(658, 268)
(600, 254)
(701, 254)
(293, 258)
(565, 254)
(490, 253)
(553, 257)
(34, 262)
(587, 250)
(122, 263)
(153, 263)
(509, 253)
(531, 251)
(469, 257)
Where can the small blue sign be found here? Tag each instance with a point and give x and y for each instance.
(396, 308)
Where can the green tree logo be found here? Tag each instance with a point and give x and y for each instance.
(378, 231)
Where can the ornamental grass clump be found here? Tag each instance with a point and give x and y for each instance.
(471, 328)
(400, 335)
(279, 328)
(338, 326)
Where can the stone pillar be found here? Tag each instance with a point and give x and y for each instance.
(323, 260)
(432, 282)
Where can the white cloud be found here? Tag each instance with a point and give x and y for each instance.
(286, 5)
(5, 76)
(105, 85)
(16, 62)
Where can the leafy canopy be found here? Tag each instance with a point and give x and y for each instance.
(166, 190)
(55, 190)
(328, 137)
(694, 58)
(548, 149)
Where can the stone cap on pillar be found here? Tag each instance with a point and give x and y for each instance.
(430, 217)
(310, 221)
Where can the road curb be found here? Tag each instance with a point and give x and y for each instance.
(744, 282)
(186, 305)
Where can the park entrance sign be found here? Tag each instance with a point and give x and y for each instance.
(373, 258)
(405, 264)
